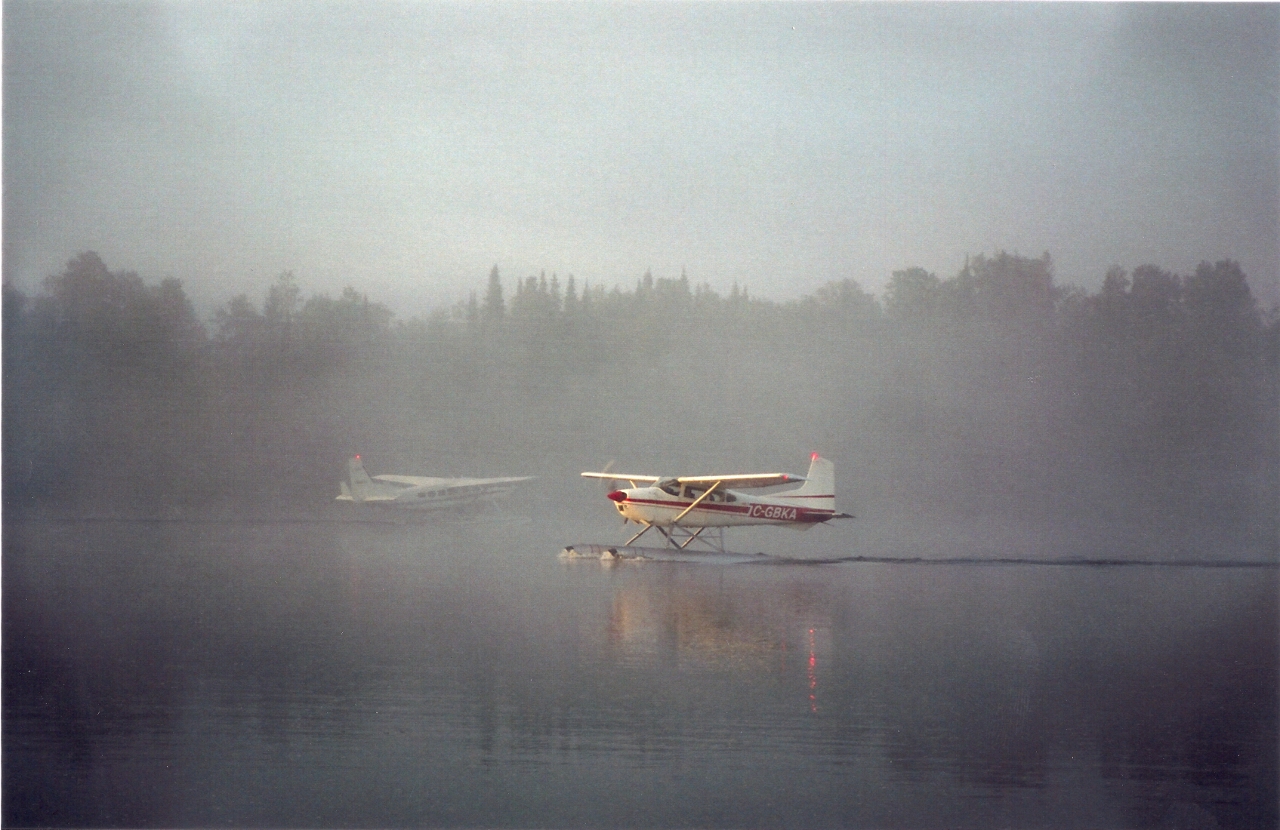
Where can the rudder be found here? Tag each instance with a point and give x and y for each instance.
(819, 488)
(361, 484)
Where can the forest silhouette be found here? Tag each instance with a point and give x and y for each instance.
(1143, 415)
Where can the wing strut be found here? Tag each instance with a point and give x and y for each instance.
(638, 535)
(695, 503)
(693, 536)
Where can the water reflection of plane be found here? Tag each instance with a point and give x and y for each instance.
(419, 492)
(708, 622)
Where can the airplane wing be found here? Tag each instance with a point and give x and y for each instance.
(620, 477)
(423, 481)
(485, 482)
(742, 481)
(410, 481)
(748, 480)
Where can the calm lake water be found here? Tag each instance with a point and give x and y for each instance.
(462, 674)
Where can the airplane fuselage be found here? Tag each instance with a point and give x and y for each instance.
(657, 506)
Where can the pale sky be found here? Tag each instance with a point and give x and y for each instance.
(406, 148)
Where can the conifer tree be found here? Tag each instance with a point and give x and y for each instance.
(570, 296)
(494, 308)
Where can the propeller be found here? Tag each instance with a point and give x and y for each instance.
(608, 482)
(611, 484)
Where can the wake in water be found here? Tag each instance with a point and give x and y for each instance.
(622, 553)
(635, 553)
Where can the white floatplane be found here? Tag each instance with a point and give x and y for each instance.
(682, 508)
(418, 492)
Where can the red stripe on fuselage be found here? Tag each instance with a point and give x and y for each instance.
(754, 510)
(681, 505)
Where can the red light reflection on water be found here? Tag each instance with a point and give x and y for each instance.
(813, 674)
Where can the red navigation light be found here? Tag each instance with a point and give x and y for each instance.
(813, 457)
(617, 495)
(357, 458)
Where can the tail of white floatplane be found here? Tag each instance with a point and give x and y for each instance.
(819, 489)
(361, 488)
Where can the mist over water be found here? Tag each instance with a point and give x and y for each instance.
(460, 673)
(988, 411)
(1057, 605)
(195, 633)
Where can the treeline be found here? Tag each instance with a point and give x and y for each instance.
(1153, 402)
(991, 398)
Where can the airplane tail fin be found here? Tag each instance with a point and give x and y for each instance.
(361, 484)
(819, 488)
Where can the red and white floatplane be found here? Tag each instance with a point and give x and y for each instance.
(684, 507)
